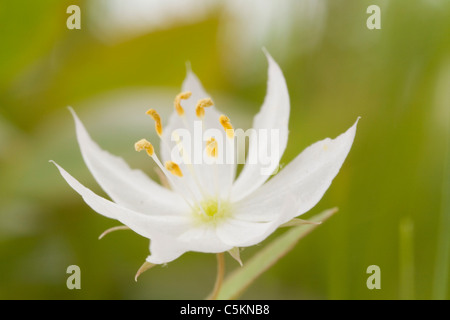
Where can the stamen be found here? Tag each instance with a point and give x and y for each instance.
(181, 152)
(173, 168)
(182, 96)
(211, 148)
(155, 116)
(201, 105)
(212, 151)
(187, 161)
(228, 127)
(143, 144)
(200, 112)
(226, 124)
(162, 178)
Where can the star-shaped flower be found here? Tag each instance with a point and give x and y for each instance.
(206, 209)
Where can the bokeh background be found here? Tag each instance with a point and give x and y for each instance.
(393, 190)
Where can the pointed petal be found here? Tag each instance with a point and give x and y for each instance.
(171, 233)
(273, 117)
(127, 187)
(301, 184)
(149, 226)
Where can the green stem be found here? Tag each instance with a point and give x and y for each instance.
(220, 276)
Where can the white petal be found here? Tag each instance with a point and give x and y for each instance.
(203, 238)
(127, 187)
(241, 233)
(198, 238)
(149, 226)
(243, 230)
(273, 117)
(164, 250)
(301, 184)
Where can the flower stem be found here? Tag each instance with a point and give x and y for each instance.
(220, 276)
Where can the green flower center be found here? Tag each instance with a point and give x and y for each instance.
(212, 210)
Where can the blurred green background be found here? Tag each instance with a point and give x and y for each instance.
(393, 190)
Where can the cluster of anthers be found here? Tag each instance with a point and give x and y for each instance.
(210, 208)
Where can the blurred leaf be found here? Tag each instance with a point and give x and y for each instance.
(441, 277)
(406, 256)
(238, 281)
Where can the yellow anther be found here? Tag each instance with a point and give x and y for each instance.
(174, 168)
(212, 148)
(200, 112)
(155, 116)
(226, 124)
(143, 144)
(201, 105)
(181, 96)
(205, 103)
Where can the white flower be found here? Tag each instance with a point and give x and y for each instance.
(206, 209)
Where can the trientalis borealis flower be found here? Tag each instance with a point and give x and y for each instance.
(206, 209)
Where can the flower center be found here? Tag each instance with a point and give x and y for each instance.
(213, 211)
